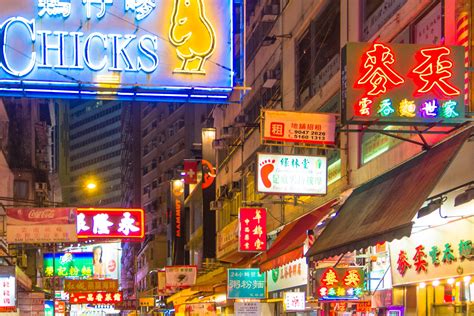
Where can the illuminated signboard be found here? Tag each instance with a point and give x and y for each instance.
(291, 174)
(100, 223)
(294, 301)
(252, 229)
(74, 286)
(7, 294)
(339, 283)
(95, 298)
(403, 83)
(117, 49)
(68, 264)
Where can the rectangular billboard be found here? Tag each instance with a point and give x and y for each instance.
(299, 127)
(108, 223)
(122, 49)
(245, 283)
(68, 264)
(291, 174)
(41, 225)
(404, 84)
(252, 229)
(77, 286)
(178, 277)
(107, 259)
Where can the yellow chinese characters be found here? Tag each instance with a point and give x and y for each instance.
(192, 34)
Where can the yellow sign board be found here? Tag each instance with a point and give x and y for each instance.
(147, 302)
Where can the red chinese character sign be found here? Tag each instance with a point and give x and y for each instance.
(95, 298)
(104, 223)
(402, 83)
(339, 283)
(252, 229)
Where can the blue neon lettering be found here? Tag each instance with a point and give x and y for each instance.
(150, 53)
(87, 60)
(46, 47)
(121, 50)
(30, 27)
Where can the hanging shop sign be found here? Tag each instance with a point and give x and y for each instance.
(298, 127)
(7, 293)
(294, 301)
(252, 229)
(127, 304)
(245, 283)
(288, 276)
(248, 308)
(339, 283)
(68, 264)
(402, 83)
(95, 298)
(31, 303)
(146, 302)
(105, 223)
(179, 277)
(120, 49)
(440, 252)
(74, 286)
(200, 309)
(291, 174)
(41, 225)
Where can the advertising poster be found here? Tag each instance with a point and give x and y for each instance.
(68, 264)
(106, 260)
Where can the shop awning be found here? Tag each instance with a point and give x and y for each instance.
(382, 209)
(289, 245)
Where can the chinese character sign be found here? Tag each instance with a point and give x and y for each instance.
(339, 283)
(309, 128)
(96, 223)
(7, 293)
(68, 264)
(95, 298)
(409, 83)
(291, 174)
(245, 283)
(252, 229)
(179, 277)
(125, 49)
(74, 286)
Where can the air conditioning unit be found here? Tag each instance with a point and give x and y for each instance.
(215, 205)
(219, 144)
(241, 120)
(270, 12)
(236, 187)
(270, 78)
(226, 132)
(41, 186)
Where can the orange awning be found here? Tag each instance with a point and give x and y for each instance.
(289, 245)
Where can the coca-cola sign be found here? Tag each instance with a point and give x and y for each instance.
(25, 216)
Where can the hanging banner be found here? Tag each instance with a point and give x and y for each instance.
(179, 277)
(245, 283)
(41, 225)
(117, 49)
(291, 174)
(96, 298)
(208, 192)
(68, 264)
(434, 253)
(407, 84)
(252, 229)
(299, 127)
(75, 286)
(105, 223)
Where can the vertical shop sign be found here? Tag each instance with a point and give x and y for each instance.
(178, 220)
(252, 229)
(208, 192)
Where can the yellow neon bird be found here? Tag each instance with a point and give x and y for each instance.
(192, 34)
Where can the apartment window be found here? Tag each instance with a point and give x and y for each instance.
(318, 52)
(154, 164)
(145, 170)
(154, 184)
(20, 189)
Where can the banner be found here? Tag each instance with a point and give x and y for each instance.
(95, 298)
(245, 283)
(68, 264)
(209, 173)
(105, 223)
(299, 127)
(41, 225)
(191, 171)
(252, 229)
(291, 174)
(75, 286)
(178, 220)
(178, 277)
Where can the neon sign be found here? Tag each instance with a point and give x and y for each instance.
(339, 283)
(154, 50)
(403, 83)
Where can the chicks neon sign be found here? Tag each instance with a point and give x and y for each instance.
(162, 51)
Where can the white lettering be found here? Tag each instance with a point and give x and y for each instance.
(87, 60)
(46, 47)
(150, 53)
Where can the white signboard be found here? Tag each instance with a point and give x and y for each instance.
(248, 309)
(288, 276)
(298, 127)
(180, 276)
(434, 253)
(7, 293)
(294, 301)
(291, 174)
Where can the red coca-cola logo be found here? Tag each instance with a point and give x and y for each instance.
(41, 214)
